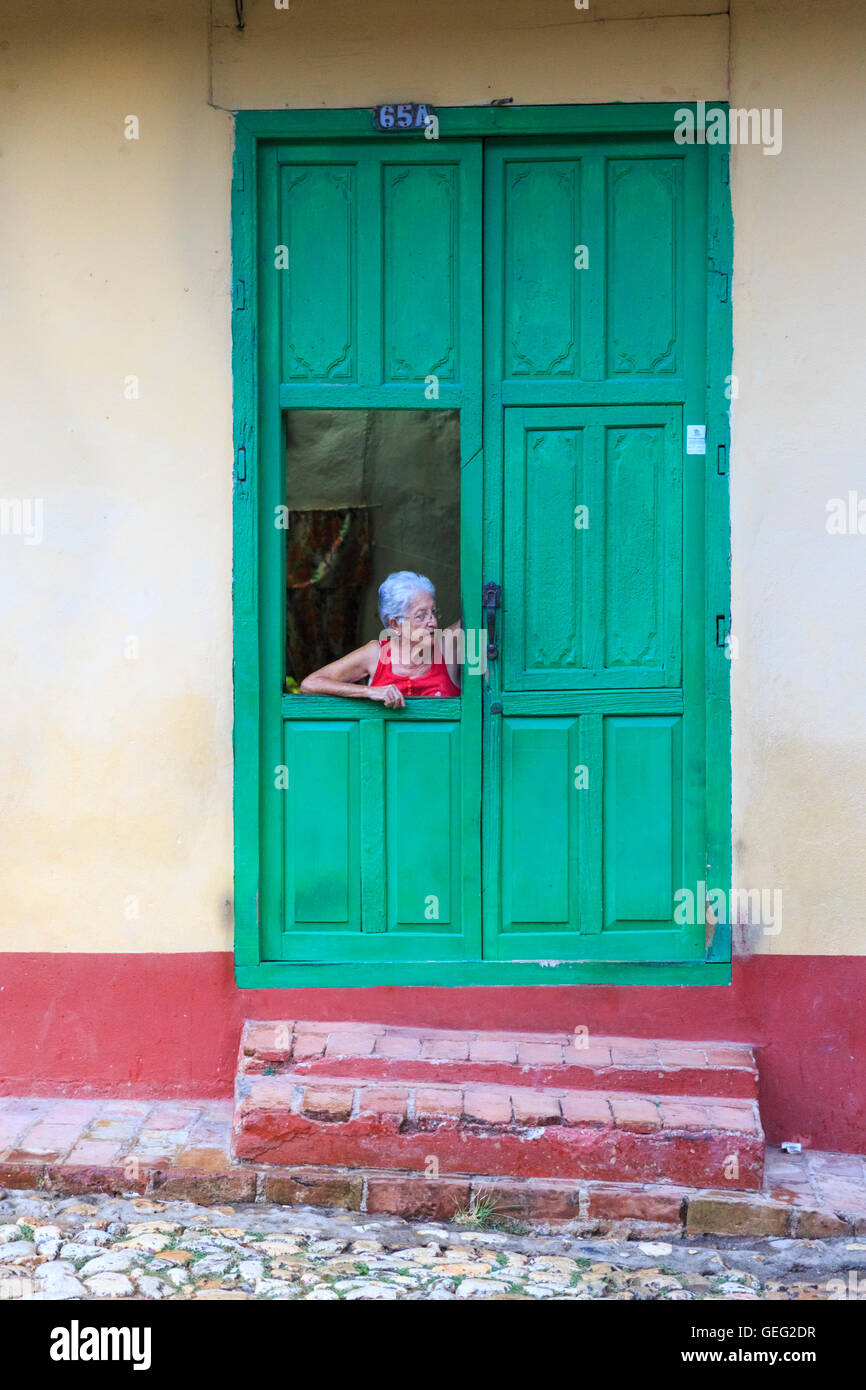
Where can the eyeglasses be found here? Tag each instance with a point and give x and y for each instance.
(433, 613)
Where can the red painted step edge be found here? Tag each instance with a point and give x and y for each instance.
(529, 1133)
(498, 1058)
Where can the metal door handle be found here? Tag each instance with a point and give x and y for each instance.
(491, 597)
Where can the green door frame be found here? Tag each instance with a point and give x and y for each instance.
(257, 427)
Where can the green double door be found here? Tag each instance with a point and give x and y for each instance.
(555, 292)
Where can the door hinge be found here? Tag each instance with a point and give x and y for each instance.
(721, 629)
(722, 460)
(723, 285)
(240, 296)
(241, 464)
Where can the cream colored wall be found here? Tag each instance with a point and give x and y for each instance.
(799, 594)
(468, 52)
(117, 771)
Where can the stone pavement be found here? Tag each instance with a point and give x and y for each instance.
(109, 1248)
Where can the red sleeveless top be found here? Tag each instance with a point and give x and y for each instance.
(436, 681)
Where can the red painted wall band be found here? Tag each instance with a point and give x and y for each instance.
(168, 1025)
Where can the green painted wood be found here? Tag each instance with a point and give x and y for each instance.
(642, 824)
(623, 391)
(493, 332)
(618, 605)
(375, 242)
(545, 481)
(535, 859)
(588, 792)
(371, 813)
(273, 906)
(592, 544)
(593, 285)
(319, 229)
(643, 551)
(592, 701)
(392, 395)
(339, 234)
(322, 860)
(321, 180)
(644, 281)
(438, 973)
(595, 596)
(245, 550)
(698, 548)
(542, 309)
(635, 119)
(716, 302)
(541, 849)
(335, 706)
(318, 946)
(491, 845)
(421, 221)
(423, 853)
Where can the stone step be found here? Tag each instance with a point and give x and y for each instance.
(371, 1050)
(178, 1150)
(517, 1131)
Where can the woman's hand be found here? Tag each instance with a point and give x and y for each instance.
(388, 695)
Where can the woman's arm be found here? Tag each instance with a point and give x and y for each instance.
(340, 677)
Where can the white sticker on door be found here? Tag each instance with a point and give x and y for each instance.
(696, 439)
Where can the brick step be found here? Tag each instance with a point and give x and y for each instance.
(369, 1050)
(178, 1151)
(639, 1210)
(340, 1120)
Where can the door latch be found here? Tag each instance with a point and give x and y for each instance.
(491, 597)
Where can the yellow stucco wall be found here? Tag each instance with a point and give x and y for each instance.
(468, 52)
(116, 771)
(116, 698)
(799, 683)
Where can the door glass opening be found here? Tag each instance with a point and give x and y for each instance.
(372, 497)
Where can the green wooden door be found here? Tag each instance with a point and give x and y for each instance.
(370, 817)
(594, 785)
(549, 816)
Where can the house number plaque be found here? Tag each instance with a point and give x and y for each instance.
(406, 115)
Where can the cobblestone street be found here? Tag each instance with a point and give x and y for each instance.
(107, 1248)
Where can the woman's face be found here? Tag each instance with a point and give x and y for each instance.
(421, 617)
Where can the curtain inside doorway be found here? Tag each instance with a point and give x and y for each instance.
(328, 566)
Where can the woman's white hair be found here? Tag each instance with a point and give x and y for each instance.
(395, 593)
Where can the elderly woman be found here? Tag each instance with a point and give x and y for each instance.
(406, 660)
